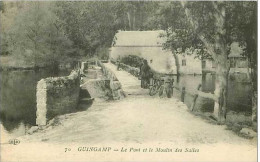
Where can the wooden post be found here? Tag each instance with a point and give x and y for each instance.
(182, 94)
(195, 98)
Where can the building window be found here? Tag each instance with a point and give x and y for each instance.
(183, 63)
(203, 64)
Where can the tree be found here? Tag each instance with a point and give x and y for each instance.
(8, 12)
(88, 24)
(246, 35)
(210, 27)
(137, 14)
(32, 33)
(44, 31)
(92, 25)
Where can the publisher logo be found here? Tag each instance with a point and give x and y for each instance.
(14, 141)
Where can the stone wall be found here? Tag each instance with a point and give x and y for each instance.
(55, 96)
(114, 84)
(99, 89)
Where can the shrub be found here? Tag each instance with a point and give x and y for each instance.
(132, 60)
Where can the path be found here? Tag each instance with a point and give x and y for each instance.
(141, 121)
(131, 85)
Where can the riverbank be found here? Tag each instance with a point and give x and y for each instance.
(12, 63)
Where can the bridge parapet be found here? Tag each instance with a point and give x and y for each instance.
(56, 96)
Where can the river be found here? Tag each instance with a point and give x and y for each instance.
(18, 98)
(239, 93)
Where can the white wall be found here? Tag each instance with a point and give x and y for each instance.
(193, 65)
(209, 65)
(163, 60)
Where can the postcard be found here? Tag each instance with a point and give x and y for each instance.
(128, 81)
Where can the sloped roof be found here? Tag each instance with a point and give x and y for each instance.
(139, 38)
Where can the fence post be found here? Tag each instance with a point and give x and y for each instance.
(182, 94)
(195, 97)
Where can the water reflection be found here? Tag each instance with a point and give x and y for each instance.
(18, 96)
(239, 93)
(239, 96)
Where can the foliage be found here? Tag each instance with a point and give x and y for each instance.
(102, 53)
(31, 32)
(50, 31)
(211, 27)
(132, 60)
(200, 30)
(87, 24)
(91, 25)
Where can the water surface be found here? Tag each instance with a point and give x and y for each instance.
(18, 97)
(239, 93)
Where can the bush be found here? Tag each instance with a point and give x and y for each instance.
(132, 60)
(102, 53)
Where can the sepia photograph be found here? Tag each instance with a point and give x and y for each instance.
(122, 80)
